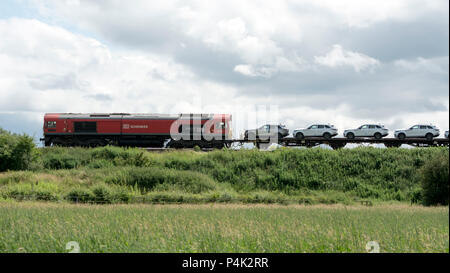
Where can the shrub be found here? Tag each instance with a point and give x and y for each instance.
(100, 163)
(61, 161)
(171, 197)
(122, 156)
(435, 184)
(17, 152)
(80, 195)
(29, 191)
(148, 178)
(102, 194)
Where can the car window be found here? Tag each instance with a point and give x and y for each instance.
(327, 126)
(321, 126)
(378, 126)
(415, 127)
(313, 127)
(423, 127)
(372, 126)
(364, 127)
(429, 127)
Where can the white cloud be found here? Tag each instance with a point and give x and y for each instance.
(433, 65)
(340, 57)
(46, 69)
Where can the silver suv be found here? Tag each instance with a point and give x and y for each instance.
(420, 131)
(367, 130)
(267, 131)
(317, 130)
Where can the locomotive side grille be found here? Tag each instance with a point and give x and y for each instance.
(85, 127)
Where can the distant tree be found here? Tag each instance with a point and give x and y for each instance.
(435, 184)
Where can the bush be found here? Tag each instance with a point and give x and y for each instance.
(122, 156)
(30, 191)
(164, 179)
(171, 197)
(17, 152)
(435, 184)
(61, 161)
(102, 194)
(80, 195)
(100, 163)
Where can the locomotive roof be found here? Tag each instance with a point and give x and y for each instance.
(129, 115)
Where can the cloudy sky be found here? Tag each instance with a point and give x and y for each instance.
(344, 62)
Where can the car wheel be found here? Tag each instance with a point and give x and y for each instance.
(401, 136)
(350, 135)
(377, 136)
(327, 135)
(429, 137)
(299, 136)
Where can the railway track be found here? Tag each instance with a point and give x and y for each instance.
(334, 143)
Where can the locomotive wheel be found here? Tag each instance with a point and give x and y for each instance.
(58, 142)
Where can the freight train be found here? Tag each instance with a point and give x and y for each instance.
(142, 130)
(203, 130)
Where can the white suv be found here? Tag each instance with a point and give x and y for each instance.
(317, 130)
(367, 130)
(420, 131)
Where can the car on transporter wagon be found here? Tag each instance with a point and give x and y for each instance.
(316, 130)
(418, 131)
(376, 131)
(267, 131)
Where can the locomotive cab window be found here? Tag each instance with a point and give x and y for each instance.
(51, 124)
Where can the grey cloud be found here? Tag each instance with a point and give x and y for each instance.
(54, 81)
(100, 97)
(426, 37)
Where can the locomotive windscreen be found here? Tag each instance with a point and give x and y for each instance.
(85, 127)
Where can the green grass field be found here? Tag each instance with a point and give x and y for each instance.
(48, 227)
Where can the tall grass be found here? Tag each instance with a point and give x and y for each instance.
(38, 227)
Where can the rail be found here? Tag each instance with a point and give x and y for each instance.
(335, 143)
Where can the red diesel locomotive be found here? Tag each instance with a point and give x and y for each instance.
(143, 130)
